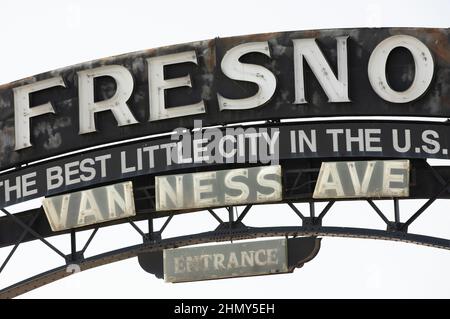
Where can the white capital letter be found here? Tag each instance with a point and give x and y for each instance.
(236, 70)
(116, 104)
(23, 112)
(157, 85)
(423, 63)
(335, 88)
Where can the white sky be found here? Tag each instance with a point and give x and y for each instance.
(39, 36)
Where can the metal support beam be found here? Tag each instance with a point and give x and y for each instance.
(419, 211)
(295, 209)
(18, 242)
(312, 211)
(244, 212)
(89, 240)
(378, 211)
(151, 231)
(426, 205)
(32, 232)
(73, 244)
(165, 224)
(230, 221)
(439, 178)
(325, 210)
(396, 210)
(215, 216)
(150, 226)
(138, 229)
(230, 214)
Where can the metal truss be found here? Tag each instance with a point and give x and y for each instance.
(428, 182)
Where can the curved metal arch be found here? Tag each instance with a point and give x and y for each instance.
(219, 236)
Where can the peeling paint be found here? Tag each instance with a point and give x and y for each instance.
(52, 135)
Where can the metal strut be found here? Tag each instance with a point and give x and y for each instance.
(32, 232)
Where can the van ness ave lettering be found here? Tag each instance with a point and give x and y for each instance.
(218, 188)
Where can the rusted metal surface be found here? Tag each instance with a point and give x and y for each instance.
(57, 133)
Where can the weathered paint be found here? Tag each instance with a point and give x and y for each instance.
(227, 260)
(57, 133)
(249, 185)
(89, 207)
(363, 179)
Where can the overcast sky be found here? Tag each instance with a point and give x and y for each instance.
(39, 36)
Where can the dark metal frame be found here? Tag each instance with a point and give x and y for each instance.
(232, 229)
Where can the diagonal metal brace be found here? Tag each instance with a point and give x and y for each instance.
(86, 245)
(215, 216)
(325, 210)
(244, 212)
(295, 209)
(19, 241)
(32, 232)
(138, 229)
(379, 212)
(166, 223)
(426, 205)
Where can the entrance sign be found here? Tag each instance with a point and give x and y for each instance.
(219, 188)
(224, 261)
(369, 179)
(89, 207)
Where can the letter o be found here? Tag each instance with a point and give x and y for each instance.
(423, 62)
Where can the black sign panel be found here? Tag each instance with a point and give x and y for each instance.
(58, 132)
(312, 140)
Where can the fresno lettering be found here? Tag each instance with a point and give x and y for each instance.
(305, 51)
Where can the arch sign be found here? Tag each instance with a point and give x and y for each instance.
(222, 123)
